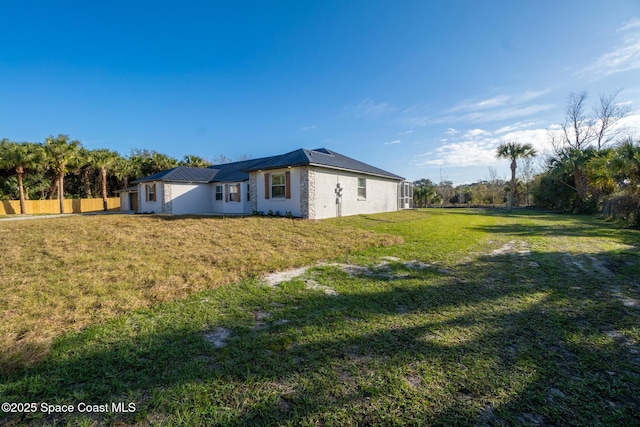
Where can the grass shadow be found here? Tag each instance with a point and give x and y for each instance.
(496, 340)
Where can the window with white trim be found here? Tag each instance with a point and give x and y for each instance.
(218, 192)
(362, 189)
(278, 185)
(150, 191)
(234, 192)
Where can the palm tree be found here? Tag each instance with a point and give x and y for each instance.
(63, 155)
(21, 156)
(161, 162)
(514, 151)
(85, 158)
(194, 161)
(103, 160)
(124, 170)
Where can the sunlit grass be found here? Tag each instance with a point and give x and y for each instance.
(66, 273)
(471, 318)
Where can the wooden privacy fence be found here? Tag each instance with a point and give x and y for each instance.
(11, 207)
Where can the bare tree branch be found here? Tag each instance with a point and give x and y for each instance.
(607, 115)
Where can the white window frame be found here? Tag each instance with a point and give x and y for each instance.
(219, 194)
(362, 189)
(278, 186)
(150, 193)
(234, 194)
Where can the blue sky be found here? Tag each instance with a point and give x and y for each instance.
(424, 89)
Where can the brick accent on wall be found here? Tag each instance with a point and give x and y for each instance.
(307, 192)
(167, 206)
(253, 190)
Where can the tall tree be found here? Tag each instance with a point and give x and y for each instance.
(607, 115)
(63, 156)
(514, 151)
(194, 161)
(161, 162)
(21, 157)
(85, 157)
(104, 160)
(124, 170)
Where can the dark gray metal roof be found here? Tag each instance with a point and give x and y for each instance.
(182, 174)
(322, 157)
(239, 171)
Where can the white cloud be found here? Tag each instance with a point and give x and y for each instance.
(477, 147)
(464, 153)
(307, 128)
(517, 125)
(475, 133)
(498, 108)
(406, 132)
(623, 57)
(479, 105)
(504, 114)
(368, 109)
(631, 124)
(395, 141)
(452, 131)
(631, 24)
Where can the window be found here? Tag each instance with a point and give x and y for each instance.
(362, 188)
(234, 192)
(277, 185)
(218, 192)
(248, 192)
(150, 192)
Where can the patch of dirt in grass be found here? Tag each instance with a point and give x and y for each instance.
(383, 270)
(599, 267)
(217, 337)
(260, 317)
(313, 285)
(413, 380)
(531, 419)
(274, 279)
(512, 247)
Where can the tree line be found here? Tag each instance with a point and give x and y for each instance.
(63, 168)
(593, 165)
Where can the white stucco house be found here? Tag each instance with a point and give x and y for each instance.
(304, 183)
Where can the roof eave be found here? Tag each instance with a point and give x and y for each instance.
(390, 176)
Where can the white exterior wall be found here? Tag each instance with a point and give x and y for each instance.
(279, 204)
(157, 206)
(124, 202)
(382, 194)
(190, 198)
(222, 207)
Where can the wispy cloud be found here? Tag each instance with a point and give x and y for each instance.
(498, 108)
(308, 128)
(631, 24)
(625, 56)
(495, 115)
(406, 132)
(475, 133)
(480, 105)
(395, 141)
(517, 126)
(368, 109)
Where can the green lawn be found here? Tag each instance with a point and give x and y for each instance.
(475, 318)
